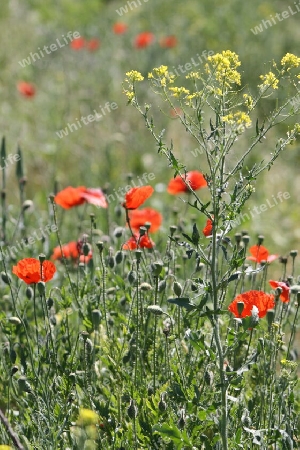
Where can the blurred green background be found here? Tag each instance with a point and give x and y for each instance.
(71, 83)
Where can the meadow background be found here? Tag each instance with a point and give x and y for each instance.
(73, 83)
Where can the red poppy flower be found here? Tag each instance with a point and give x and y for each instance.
(69, 250)
(138, 241)
(78, 43)
(119, 27)
(31, 270)
(136, 196)
(69, 197)
(262, 301)
(168, 41)
(207, 230)
(93, 44)
(194, 178)
(139, 217)
(26, 89)
(143, 40)
(284, 297)
(260, 253)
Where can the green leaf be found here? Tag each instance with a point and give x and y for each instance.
(167, 431)
(19, 165)
(183, 302)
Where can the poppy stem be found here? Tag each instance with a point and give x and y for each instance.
(35, 317)
(128, 223)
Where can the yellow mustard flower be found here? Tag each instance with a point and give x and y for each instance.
(223, 67)
(270, 80)
(237, 119)
(289, 61)
(87, 417)
(248, 101)
(179, 91)
(134, 75)
(193, 76)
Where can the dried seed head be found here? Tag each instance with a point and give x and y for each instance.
(146, 287)
(155, 309)
(162, 286)
(118, 232)
(294, 253)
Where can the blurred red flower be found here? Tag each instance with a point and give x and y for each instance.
(26, 89)
(284, 297)
(207, 230)
(176, 112)
(31, 270)
(136, 196)
(144, 39)
(72, 250)
(195, 179)
(70, 196)
(93, 44)
(119, 27)
(168, 41)
(260, 253)
(138, 241)
(139, 217)
(262, 301)
(78, 43)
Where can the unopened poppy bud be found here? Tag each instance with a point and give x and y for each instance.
(14, 370)
(132, 410)
(173, 228)
(208, 377)
(162, 406)
(28, 204)
(84, 335)
(5, 278)
(85, 249)
(240, 307)
(50, 302)
(51, 198)
(238, 237)
(146, 287)
(260, 239)
(177, 288)
(155, 309)
(181, 421)
(156, 268)
(143, 231)
(294, 253)
(29, 292)
(132, 277)
(278, 292)
(119, 257)
(100, 246)
(41, 287)
(194, 287)
(42, 258)
(162, 286)
(15, 320)
(138, 255)
(118, 232)
(111, 262)
(246, 239)
(96, 317)
(270, 316)
(283, 259)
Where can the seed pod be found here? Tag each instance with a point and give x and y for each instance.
(162, 286)
(119, 257)
(132, 410)
(177, 288)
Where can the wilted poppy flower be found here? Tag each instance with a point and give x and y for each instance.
(31, 270)
(143, 40)
(139, 217)
(284, 297)
(119, 27)
(168, 41)
(93, 44)
(207, 230)
(260, 253)
(70, 196)
(194, 178)
(138, 241)
(136, 196)
(78, 43)
(26, 89)
(262, 301)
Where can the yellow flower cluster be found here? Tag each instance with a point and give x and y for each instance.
(161, 76)
(289, 61)
(223, 67)
(179, 91)
(248, 100)
(238, 118)
(134, 75)
(193, 76)
(87, 417)
(269, 80)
